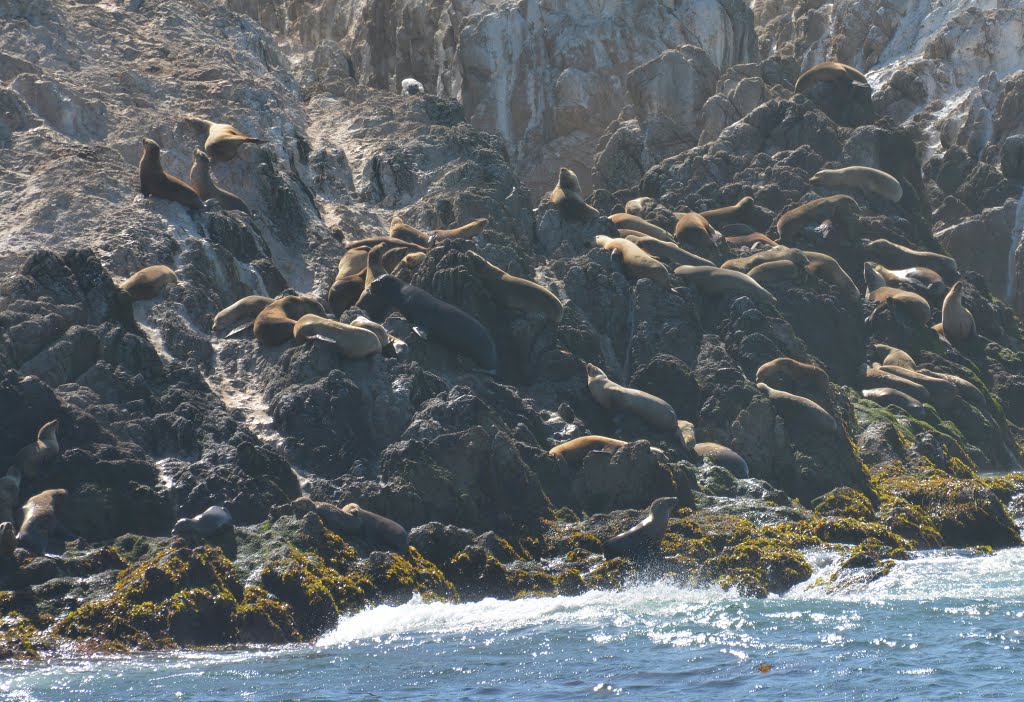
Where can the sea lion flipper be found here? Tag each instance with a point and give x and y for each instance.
(421, 332)
(322, 337)
(238, 330)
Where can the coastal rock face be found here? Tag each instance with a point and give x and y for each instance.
(161, 418)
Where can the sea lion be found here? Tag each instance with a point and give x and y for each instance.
(517, 293)
(814, 213)
(157, 183)
(411, 86)
(239, 316)
(637, 205)
(793, 376)
(875, 377)
(902, 302)
(203, 526)
(436, 320)
(406, 232)
(31, 457)
(894, 398)
(665, 251)
(750, 239)
(386, 241)
(275, 324)
(576, 450)
(733, 214)
(352, 342)
(636, 263)
(798, 411)
(639, 225)
(776, 272)
(221, 141)
(941, 391)
(466, 231)
(687, 433)
(693, 230)
(924, 280)
(862, 178)
(8, 542)
(412, 261)
(824, 267)
(720, 281)
(612, 396)
(964, 388)
(391, 258)
(645, 536)
(202, 183)
(725, 457)
(10, 486)
(149, 282)
(41, 520)
(568, 197)
(896, 256)
(354, 522)
(957, 321)
(892, 356)
(387, 341)
(745, 264)
(829, 71)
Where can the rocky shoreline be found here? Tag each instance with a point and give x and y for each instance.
(161, 418)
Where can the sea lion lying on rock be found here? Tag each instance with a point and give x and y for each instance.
(789, 375)
(645, 537)
(895, 256)
(814, 213)
(149, 282)
(635, 224)
(733, 214)
(862, 178)
(220, 141)
(829, 71)
(636, 263)
(612, 396)
(665, 251)
(354, 522)
(716, 282)
(351, 342)
(204, 526)
(275, 324)
(799, 411)
(890, 397)
(517, 293)
(573, 452)
(904, 303)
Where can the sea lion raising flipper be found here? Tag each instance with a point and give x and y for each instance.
(156, 182)
(645, 537)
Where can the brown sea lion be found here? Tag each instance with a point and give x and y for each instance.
(909, 305)
(750, 240)
(517, 293)
(716, 282)
(942, 392)
(829, 71)
(646, 536)
(793, 376)
(239, 316)
(406, 232)
(777, 272)
(957, 321)
(637, 205)
(923, 280)
(693, 230)
(31, 457)
(466, 231)
(386, 241)
(352, 342)
(814, 213)
(41, 520)
(149, 282)
(157, 183)
(665, 251)
(862, 178)
(220, 141)
(877, 378)
(202, 183)
(798, 411)
(639, 225)
(350, 281)
(892, 356)
(576, 450)
(616, 398)
(275, 324)
(636, 263)
(733, 214)
(723, 456)
(779, 253)
(568, 197)
(895, 256)
(824, 267)
(894, 398)
(8, 542)
(964, 388)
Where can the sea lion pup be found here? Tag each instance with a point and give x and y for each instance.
(800, 411)
(814, 213)
(576, 450)
(568, 197)
(351, 341)
(957, 321)
(875, 377)
(941, 391)
(693, 230)
(793, 376)
(733, 214)
(221, 141)
(779, 253)
(42, 520)
(829, 71)
(715, 282)
(903, 302)
(637, 205)
(31, 457)
(239, 316)
(723, 456)
(825, 267)
(157, 183)
(665, 251)
(645, 537)
(890, 397)
(750, 240)
(635, 261)
(777, 272)
(275, 324)
(862, 178)
(639, 225)
(411, 86)
(517, 293)
(202, 183)
(892, 356)
(616, 398)
(201, 527)
(896, 256)
(924, 280)
(149, 282)
(436, 320)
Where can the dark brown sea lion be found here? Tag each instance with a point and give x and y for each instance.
(733, 214)
(275, 324)
(645, 536)
(568, 197)
(157, 183)
(799, 411)
(517, 293)
(829, 71)
(239, 316)
(203, 526)
(31, 457)
(612, 396)
(202, 183)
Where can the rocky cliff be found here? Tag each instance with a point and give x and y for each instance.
(690, 104)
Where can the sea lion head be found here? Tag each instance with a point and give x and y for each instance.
(593, 372)
(567, 180)
(663, 506)
(387, 287)
(351, 509)
(957, 290)
(185, 527)
(50, 428)
(151, 147)
(199, 156)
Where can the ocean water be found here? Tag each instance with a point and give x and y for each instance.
(944, 626)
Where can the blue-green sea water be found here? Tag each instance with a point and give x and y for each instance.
(943, 626)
